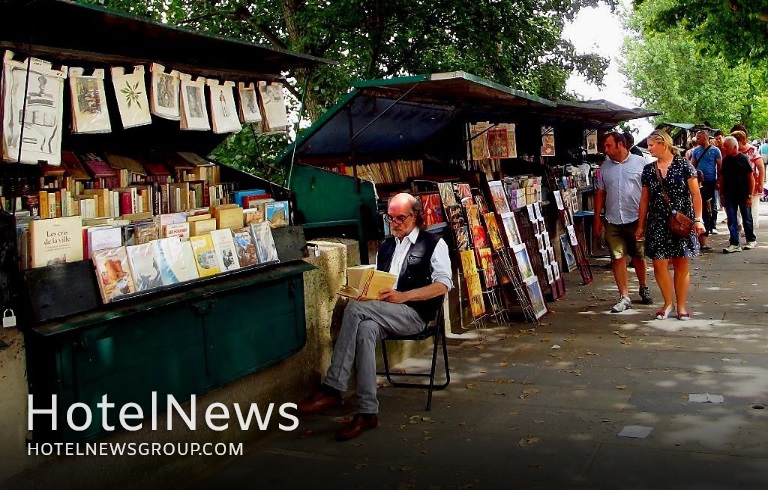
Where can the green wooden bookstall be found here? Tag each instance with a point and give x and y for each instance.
(181, 341)
(421, 117)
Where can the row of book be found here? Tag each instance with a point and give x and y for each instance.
(99, 202)
(514, 193)
(389, 172)
(43, 242)
(123, 270)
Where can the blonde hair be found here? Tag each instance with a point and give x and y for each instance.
(740, 136)
(663, 137)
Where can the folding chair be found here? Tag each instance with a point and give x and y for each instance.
(434, 329)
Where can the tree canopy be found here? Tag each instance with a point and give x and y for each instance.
(670, 70)
(513, 42)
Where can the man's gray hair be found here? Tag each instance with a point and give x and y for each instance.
(731, 141)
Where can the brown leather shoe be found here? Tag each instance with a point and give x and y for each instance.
(358, 425)
(318, 402)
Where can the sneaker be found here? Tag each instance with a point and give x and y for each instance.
(731, 249)
(750, 245)
(645, 296)
(714, 231)
(624, 303)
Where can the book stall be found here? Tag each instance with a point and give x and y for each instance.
(494, 169)
(130, 262)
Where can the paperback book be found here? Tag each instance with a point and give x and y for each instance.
(113, 273)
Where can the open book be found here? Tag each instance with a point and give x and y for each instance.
(364, 282)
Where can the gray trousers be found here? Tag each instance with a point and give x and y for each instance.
(364, 323)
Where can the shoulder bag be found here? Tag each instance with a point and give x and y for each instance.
(680, 224)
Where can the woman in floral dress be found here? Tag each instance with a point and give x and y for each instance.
(662, 246)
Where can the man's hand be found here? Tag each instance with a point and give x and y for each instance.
(393, 296)
(597, 226)
(749, 202)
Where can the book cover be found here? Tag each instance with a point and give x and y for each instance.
(486, 265)
(145, 268)
(97, 166)
(101, 237)
(493, 231)
(205, 255)
(433, 210)
(225, 249)
(265, 243)
(176, 260)
(239, 195)
(498, 143)
(498, 196)
(253, 215)
(180, 230)
(276, 213)
(475, 293)
(113, 273)
(73, 166)
(56, 241)
(202, 227)
(245, 247)
(510, 228)
(145, 232)
(365, 282)
(446, 193)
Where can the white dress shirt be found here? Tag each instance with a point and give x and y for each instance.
(440, 260)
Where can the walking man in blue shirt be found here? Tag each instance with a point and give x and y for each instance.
(618, 192)
(709, 160)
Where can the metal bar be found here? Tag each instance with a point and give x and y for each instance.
(287, 183)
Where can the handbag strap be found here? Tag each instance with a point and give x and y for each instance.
(663, 189)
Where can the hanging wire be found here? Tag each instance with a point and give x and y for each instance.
(287, 182)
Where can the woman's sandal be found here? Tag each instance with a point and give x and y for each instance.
(684, 316)
(664, 313)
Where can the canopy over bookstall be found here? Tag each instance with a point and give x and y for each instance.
(70, 31)
(392, 116)
(417, 116)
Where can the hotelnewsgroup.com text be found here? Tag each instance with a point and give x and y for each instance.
(134, 449)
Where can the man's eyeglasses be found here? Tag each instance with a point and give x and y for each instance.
(397, 219)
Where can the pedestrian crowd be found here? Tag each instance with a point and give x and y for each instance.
(666, 210)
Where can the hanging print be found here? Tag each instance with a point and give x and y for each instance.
(547, 141)
(32, 110)
(194, 115)
(131, 93)
(165, 93)
(249, 103)
(590, 139)
(223, 111)
(89, 105)
(273, 107)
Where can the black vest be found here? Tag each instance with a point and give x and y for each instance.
(416, 271)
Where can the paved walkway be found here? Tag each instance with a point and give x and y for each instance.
(521, 413)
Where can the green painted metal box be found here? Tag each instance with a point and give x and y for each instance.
(184, 343)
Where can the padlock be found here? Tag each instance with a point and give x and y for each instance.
(9, 318)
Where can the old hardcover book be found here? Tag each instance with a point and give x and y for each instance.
(176, 260)
(144, 266)
(56, 241)
(113, 273)
(73, 166)
(205, 255)
(180, 230)
(202, 227)
(245, 247)
(365, 282)
(225, 249)
(229, 218)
